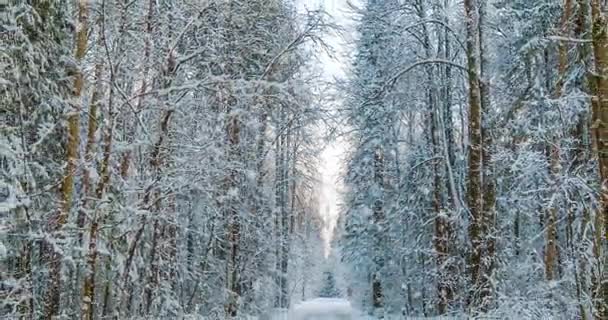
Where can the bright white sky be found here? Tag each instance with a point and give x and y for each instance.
(331, 158)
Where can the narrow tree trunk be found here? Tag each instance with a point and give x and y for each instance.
(378, 219)
(278, 162)
(281, 221)
(442, 220)
(580, 247)
(285, 213)
(447, 99)
(489, 184)
(152, 281)
(234, 226)
(232, 204)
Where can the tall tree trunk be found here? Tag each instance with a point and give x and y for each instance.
(284, 242)
(72, 149)
(438, 138)
(282, 218)
(447, 94)
(580, 246)
(285, 213)
(378, 223)
(447, 116)
(551, 246)
(489, 183)
(233, 224)
(474, 187)
(279, 180)
(599, 23)
(88, 293)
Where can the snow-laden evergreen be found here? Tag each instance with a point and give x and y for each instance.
(410, 235)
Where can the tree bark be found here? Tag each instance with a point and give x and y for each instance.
(474, 187)
(551, 246)
(72, 154)
(599, 23)
(378, 222)
(88, 299)
(489, 183)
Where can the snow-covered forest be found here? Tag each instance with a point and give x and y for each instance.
(161, 159)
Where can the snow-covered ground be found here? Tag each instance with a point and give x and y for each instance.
(322, 309)
(333, 309)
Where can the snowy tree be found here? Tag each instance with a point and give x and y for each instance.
(137, 171)
(329, 289)
(494, 146)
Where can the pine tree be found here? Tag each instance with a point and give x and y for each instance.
(328, 288)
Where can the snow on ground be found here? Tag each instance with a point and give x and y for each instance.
(333, 309)
(322, 309)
